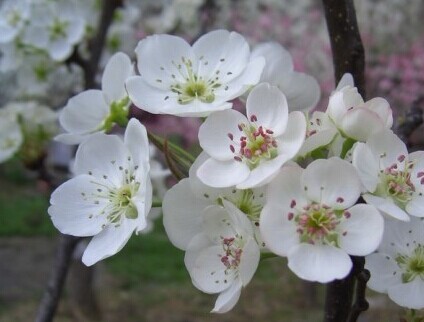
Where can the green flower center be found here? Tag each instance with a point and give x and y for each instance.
(194, 87)
(58, 29)
(118, 115)
(13, 18)
(413, 265)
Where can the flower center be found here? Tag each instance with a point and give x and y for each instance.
(121, 203)
(194, 87)
(231, 253)
(396, 184)
(118, 114)
(317, 223)
(13, 18)
(413, 266)
(256, 145)
(58, 29)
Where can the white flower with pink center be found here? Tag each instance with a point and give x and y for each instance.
(179, 79)
(355, 118)
(223, 257)
(248, 151)
(393, 179)
(311, 218)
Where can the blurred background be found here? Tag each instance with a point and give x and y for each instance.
(147, 280)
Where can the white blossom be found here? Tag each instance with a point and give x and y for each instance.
(393, 179)
(111, 194)
(14, 14)
(311, 218)
(192, 81)
(248, 152)
(98, 110)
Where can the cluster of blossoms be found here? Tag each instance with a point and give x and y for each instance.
(315, 188)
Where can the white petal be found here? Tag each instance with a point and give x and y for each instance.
(196, 245)
(102, 155)
(137, 142)
(346, 80)
(360, 123)
(317, 140)
(117, 70)
(220, 174)
(416, 206)
(341, 101)
(249, 261)
(263, 173)
(217, 223)
(417, 159)
(278, 232)
(7, 33)
(333, 182)
(293, 137)
(382, 108)
(302, 91)
(387, 206)
(384, 272)
(158, 57)
(319, 263)
(70, 138)
(228, 298)
(239, 220)
(286, 187)
(110, 241)
(209, 272)
(366, 165)
(182, 214)
(73, 210)
(217, 51)
(214, 134)
(361, 233)
(408, 295)
(278, 61)
(387, 148)
(147, 97)
(60, 49)
(269, 106)
(84, 112)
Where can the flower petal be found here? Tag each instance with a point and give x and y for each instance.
(387, 206)
(290, 142)
(360, 123)
(249, 261)
(269, 105)
(317, 263)
(416, 206)
(221, 174)
(228, 298)
(215, 132)
(361, 233)
(110, 241)
(137, 143)
(117, 70)
(182, 214)
(387, 148)
(384, 272)
(333, 182)
(366, 165)
(408, 295)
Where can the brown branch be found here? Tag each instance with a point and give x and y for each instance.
(348, 57)
(362, 275)
(48, 306)
(346, 43)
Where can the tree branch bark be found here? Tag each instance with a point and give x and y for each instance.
(348, 57)
(346, 43)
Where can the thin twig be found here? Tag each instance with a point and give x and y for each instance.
(48, 306)
(362, 276)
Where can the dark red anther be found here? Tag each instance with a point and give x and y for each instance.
(237, 159)
(293, 203)
(290, 216)
(232, 148)
(340, 200)
(230, 135)
(401, 158)
(420, 174)
(253, 118)
(269, 131)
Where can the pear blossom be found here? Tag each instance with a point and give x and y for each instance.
(302, 91)
(355, 118)
(248, 152)
(13, 17)
(393, 179)
(311, 218)
(111, 194)
(185, 80)
(184, 204)
(223, 257)
(55, 28)
(98, 110)
(397, 268)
